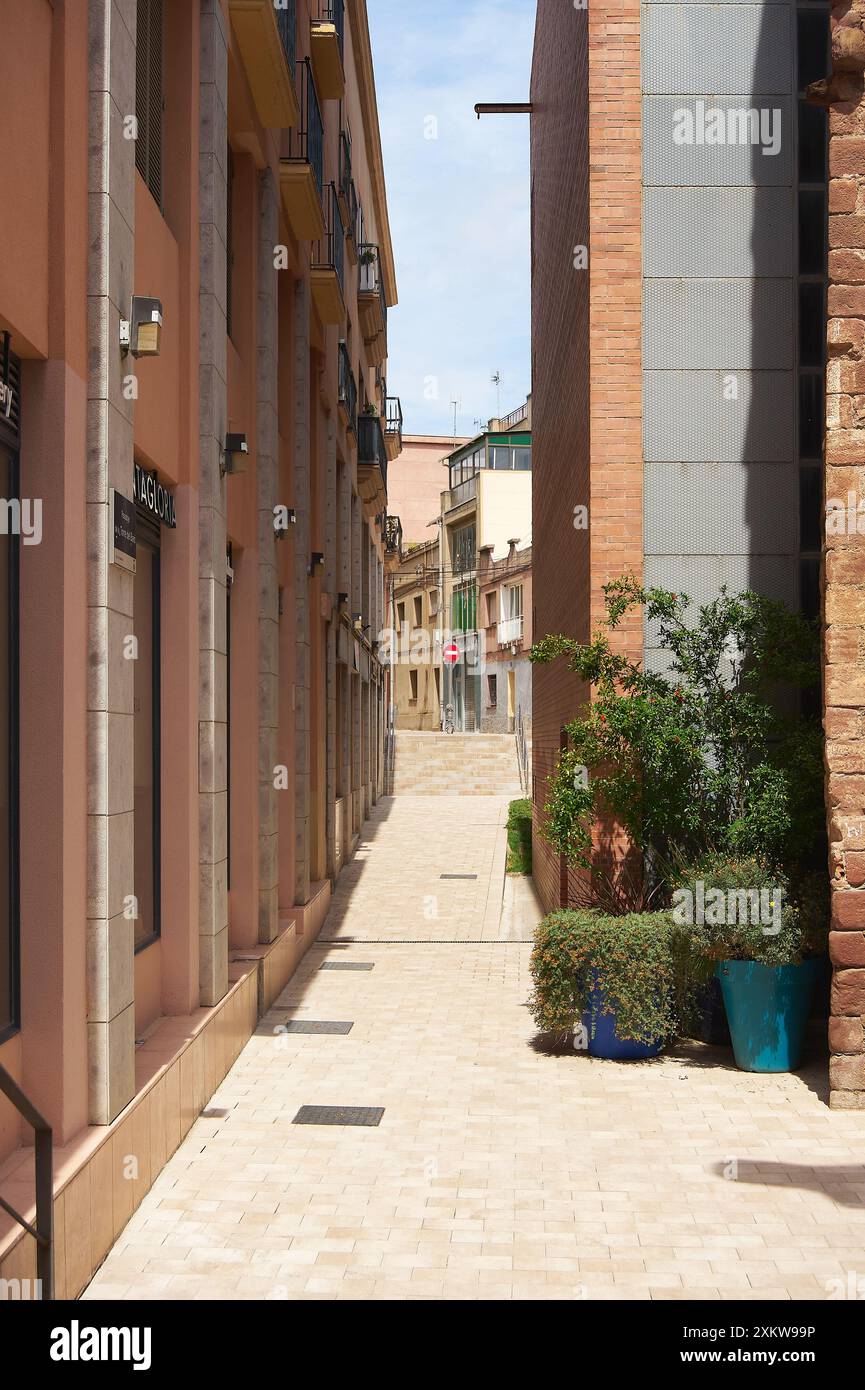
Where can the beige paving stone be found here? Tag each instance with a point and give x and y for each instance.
(500, 1169)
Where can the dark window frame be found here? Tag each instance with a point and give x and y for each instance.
(13, 1003)
(150, 103)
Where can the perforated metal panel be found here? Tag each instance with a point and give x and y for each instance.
(703, 232)
(709, 48)
(701, 577)
(727, 508)
(666, 162)
(686, 418)
(717, 323)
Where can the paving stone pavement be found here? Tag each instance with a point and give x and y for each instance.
(499, 1170)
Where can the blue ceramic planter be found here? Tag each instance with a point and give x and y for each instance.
(767, 1009)
(604, 1041)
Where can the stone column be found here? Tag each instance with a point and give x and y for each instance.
(212, 592)
(110, 791)
(267, 472)
(302, 751)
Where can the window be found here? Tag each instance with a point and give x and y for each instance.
(463, 546)
(148, 95)
(146, 737)
(492, 682)
(464, 609)
(491, 608)
(412, 677)
(418, 610)
(400, 615)
(512, 601)
(433, 603)
(500, 457)
(522, 459)
(9, 1017)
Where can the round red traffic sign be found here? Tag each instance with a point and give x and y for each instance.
(451, 654)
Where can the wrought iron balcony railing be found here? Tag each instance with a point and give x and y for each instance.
(347, 388)
(306, 142)
(394, 415)
(286, 23)
(371, 452)
(510, 630)
(333, 12)
(330, 252)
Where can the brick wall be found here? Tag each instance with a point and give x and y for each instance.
(844, 583)
(587, 429)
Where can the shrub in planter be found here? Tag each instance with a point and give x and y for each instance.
(640, 971)
(767, 933)
(520, 836)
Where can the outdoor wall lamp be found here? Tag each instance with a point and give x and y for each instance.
(235, 453)
(316, 562)
(283, 517)
(141, 333)
(357, 620)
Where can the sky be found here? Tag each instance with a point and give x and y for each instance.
(458, 205)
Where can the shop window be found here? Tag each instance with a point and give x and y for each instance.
(9, 1015)
(149, 95)
(147, 738)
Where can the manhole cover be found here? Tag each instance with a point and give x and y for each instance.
(347, 965)
(298, 1025)
(338, 1115)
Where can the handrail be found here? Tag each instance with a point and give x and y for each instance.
(43, 1231)
(522, 751)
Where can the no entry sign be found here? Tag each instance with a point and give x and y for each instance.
(451, 654)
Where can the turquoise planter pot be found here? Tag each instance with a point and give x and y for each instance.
(767, 1009)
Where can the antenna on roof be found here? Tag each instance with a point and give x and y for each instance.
(496, 380)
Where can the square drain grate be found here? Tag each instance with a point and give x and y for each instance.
(367, 1115)
(347, 965)
(457, 875)
(299, 1025)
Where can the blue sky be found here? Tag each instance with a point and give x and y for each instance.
(459, 204)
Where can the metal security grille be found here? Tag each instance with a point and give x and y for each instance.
(149, 95)
(347, 965)
(364, 1115)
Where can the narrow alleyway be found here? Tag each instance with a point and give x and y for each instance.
(497, 1170)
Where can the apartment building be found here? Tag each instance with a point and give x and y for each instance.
(486, 513)
(505, 620)
(195, 433)
(416, 664)
(682, 251)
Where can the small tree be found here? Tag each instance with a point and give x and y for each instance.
(701, 758)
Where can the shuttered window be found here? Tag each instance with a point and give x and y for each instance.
(148, 95)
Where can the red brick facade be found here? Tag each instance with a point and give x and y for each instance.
(844, 581)
(586, 368)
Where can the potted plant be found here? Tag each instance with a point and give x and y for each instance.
(622, 987)
(768, 935)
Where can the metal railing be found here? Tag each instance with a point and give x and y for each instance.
(393, 421)
(371, 278)
(515, 417)
(306, 143)
(330, 253)
(43, 1231)
(510, 630)
(286, 23)
(370, 444)
(522, 752)
(353, 207)
(347, 387)
(333, 12)
(345, 179)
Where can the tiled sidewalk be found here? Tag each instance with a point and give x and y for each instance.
(498, 1171)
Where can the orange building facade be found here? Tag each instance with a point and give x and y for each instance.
(194, 440)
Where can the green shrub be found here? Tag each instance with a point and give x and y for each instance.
(645, 963)
(520, 836)
(732, 896)
(701, 757)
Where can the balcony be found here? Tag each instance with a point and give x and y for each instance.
(393, 426)
(510, 631)
(301, 174)
(371, 460)
(347, 391)
(393, 536)
(327, 269)
(464, 492)
(351, 223)
(371, 302)
(327, 42)
(266, 38)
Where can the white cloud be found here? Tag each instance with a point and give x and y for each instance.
(459, 204)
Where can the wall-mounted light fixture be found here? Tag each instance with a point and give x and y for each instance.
(140, 334)
(283, 517)
(316, 562)
(357, 620)
(235, 453)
